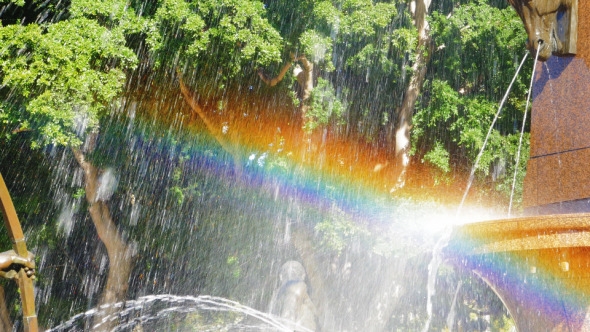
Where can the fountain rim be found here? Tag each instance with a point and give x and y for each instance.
(521, 234)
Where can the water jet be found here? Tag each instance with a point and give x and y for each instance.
(538, 264)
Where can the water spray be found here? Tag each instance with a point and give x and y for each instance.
(523, 125)
(485, 142)
(437, 258)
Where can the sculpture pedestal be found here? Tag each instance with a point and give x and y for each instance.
(539, 267)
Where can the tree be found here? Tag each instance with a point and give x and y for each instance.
(360, 33)
(365, 73)
(63, 78)
(479, 50)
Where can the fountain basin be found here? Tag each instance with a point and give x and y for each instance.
(538, 266)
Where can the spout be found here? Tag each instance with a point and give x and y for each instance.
(539, 45)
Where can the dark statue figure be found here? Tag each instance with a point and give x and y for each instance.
(11, 263)
(552, 25)
(291, 300)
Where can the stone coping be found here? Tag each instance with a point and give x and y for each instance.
(521, 234)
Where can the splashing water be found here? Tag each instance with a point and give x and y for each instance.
(433, 266)
(149, 310)
(437, 257)
(453, 310)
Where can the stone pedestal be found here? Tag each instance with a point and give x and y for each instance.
(558, 171)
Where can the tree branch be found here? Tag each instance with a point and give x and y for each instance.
(282, 73)
(279, 78)
(217, 134)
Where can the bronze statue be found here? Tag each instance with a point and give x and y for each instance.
(18, 264)
(552, 25)
(11, 263)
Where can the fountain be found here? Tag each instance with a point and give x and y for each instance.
(538, 264)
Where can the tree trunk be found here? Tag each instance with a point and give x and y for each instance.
(119, 254)
(404, 120)
(305, 80)
(313, 140)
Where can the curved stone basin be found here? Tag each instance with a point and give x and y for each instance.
(539, 266)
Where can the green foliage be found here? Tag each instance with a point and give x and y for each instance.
(361, 29)
(338, 231)
(325, 106)
(366, 41)
(505, 162)
(472, 126)
(373, 41)
(233, 264)
(478, 47)
(354, 19)
(438, 157)
(317, 47)
(457, 125)
(79, 193)
(178, 194)
(218, 35)
(62, 78)
(118, 15)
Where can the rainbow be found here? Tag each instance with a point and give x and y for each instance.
(325, 172)
(537, 265)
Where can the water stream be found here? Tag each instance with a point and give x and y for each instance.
(485, 142)
(528, 99)
(437, 256)
(209, 313)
